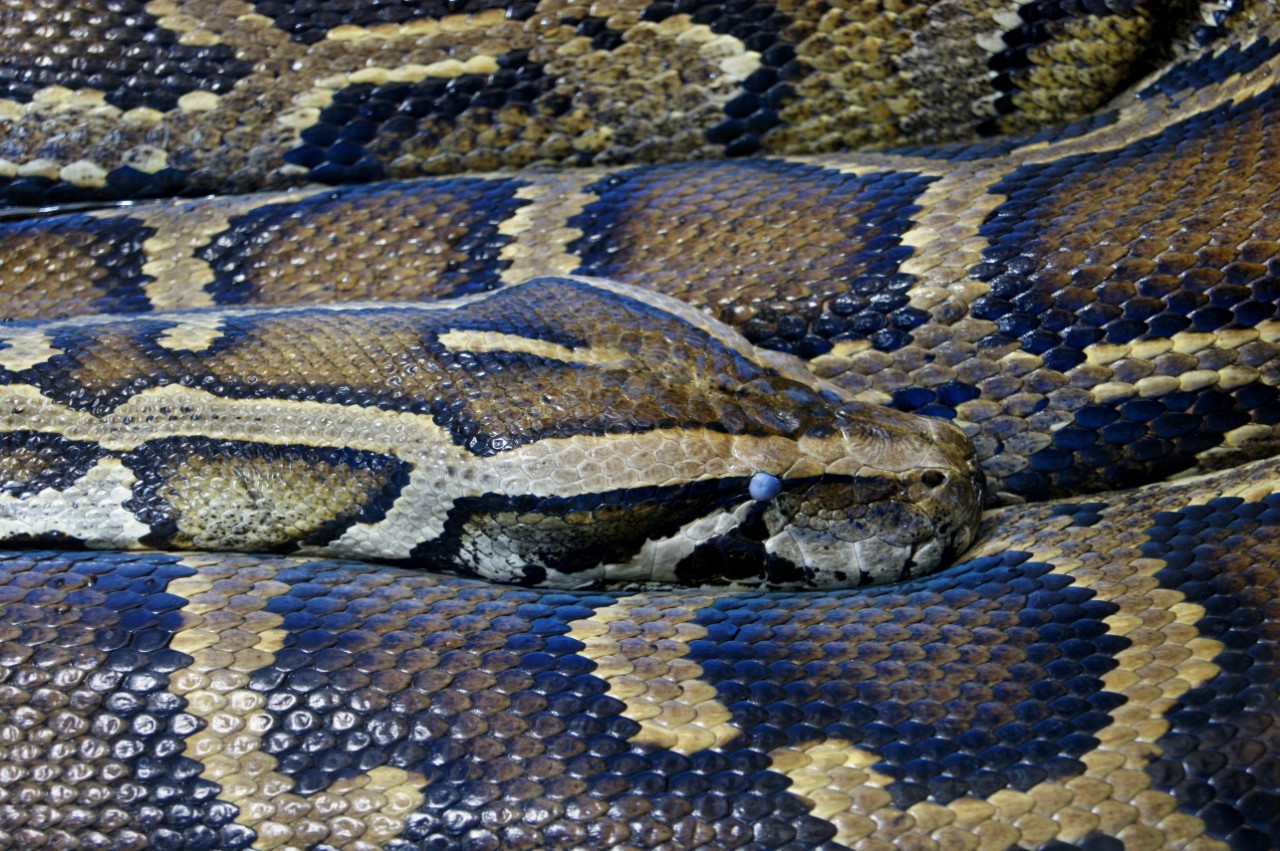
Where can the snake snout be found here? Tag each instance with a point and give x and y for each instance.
(903, 503)
(950, 492)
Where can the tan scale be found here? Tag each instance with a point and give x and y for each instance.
(176, 276)
(639, 646)
(537, 246)
(228, 635)
(193, 335)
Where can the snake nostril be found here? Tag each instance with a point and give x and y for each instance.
(933, 478)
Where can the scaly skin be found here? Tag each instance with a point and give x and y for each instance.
(1093, 304)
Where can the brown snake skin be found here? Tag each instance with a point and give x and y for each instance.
(1093, 304)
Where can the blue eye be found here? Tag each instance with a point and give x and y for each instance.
(764, 487)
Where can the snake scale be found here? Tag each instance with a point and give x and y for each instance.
(1061, 233)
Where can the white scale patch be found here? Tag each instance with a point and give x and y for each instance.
(417, 515)
(493, 341)
(91, 509)
(23, 348)
(195, 334)
(671, 550)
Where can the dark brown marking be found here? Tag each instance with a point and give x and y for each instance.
(389, 242)
(72, 266)
(31, 461)
(795, 255)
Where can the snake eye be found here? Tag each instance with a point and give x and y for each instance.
(764, 487)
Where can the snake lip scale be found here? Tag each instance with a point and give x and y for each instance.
(640, 425)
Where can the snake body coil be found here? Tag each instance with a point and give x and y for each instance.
(1093, 304)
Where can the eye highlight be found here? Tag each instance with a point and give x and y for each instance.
(764, 487)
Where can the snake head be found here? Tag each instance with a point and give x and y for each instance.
(609, 436)
(877, 496)
(694, 457)
(864, 495)
(903, 501)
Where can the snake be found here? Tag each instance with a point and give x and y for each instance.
(787, 425)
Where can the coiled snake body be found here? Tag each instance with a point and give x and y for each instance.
(1092, 304)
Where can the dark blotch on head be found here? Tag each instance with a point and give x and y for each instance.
(533, 575)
